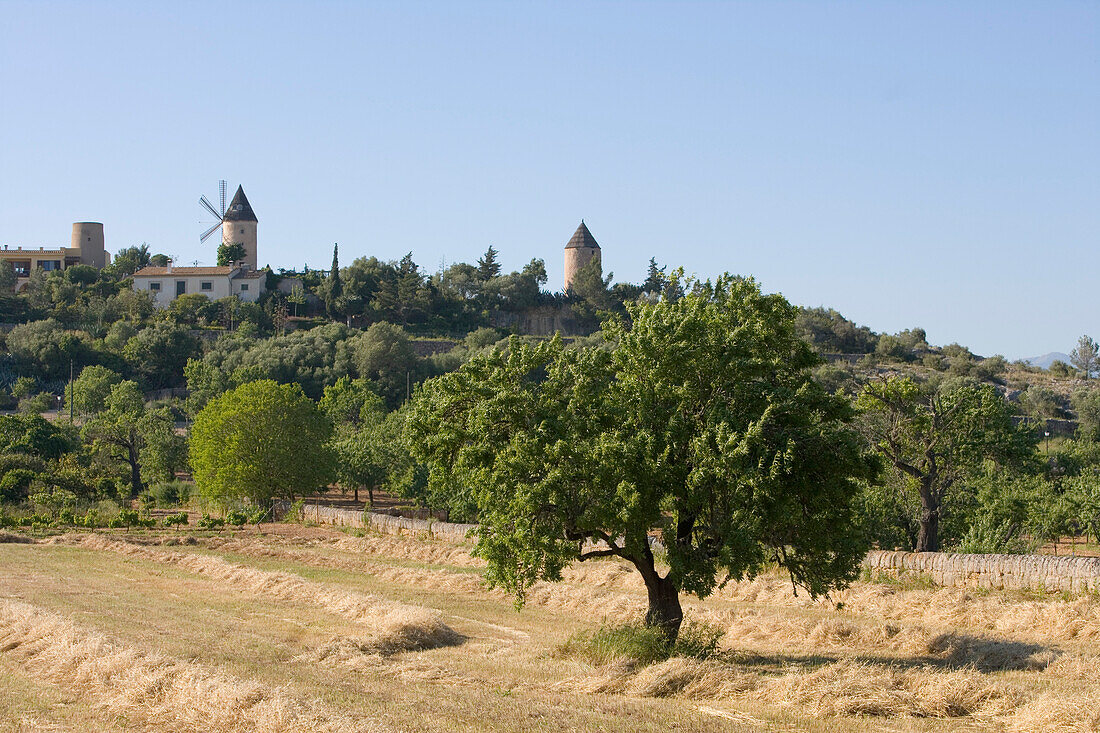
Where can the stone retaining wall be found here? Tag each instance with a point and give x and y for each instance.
(383, 523)
(1035, 572)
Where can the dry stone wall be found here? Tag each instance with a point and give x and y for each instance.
(1012, 572)
(1035, 572)
(384, 523)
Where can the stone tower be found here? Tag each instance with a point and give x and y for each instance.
(581, 249)
(88, 238)
(239, 226)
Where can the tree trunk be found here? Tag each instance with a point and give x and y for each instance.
(370, 495)
(664, 606)
(928, 539)
(135, 471)
(357, 493)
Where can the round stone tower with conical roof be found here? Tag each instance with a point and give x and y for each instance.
(581, 249)
(239, 226)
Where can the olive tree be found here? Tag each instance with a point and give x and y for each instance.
(702, 430)
(934, 437)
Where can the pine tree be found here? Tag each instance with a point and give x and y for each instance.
(487, 266)
(1086, 356)
(655, 279)
(334, 293)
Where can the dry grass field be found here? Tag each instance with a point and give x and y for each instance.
(309, 629)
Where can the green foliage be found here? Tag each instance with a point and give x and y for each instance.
(129, 260)
(89, 391)
(237, 517)
(935, 439)
(1086, 356)
(1060, 369)
(230, 252)
(642, 644)
(1040, 402)
(487, 266)
(703, 426)
(385, 355)
(260, 441)
(37, 404)
(351, 401)
(209, 522)
(829, 331)
(159, 353)
(314, 359)
(48, 349)
(130, 518)
(33, 435)
(1086, 403)
(178, 519)
(15, 485)
(131, 438)
(168, 494)
(24, 387)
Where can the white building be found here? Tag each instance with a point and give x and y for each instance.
(168, 283)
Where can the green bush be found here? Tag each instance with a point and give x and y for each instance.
(642, 644)
(236, 517)
(170, 494)
(15, 484)
(209, 522)
(180, 518)
(987, 536)
(130, 518)
(37, 404)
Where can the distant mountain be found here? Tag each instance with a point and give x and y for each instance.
(1046, 360)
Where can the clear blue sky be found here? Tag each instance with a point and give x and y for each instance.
(931, 164)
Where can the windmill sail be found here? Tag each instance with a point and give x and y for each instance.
(218, 214)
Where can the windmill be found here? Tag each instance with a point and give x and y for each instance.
(218, 213)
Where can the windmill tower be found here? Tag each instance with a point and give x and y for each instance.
(581, 249)
(237, 222)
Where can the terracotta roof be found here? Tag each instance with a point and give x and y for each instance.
(169, 271)
(251, 275)
(239, 208)
(582, 238)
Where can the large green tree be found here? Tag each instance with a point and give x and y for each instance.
(937, 436)
(702, 429)
(261, 441)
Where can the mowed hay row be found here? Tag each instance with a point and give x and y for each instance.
(1046, 619)
(149, 688)
(554, 596)
(431, 552)
(395, 626)
(757, 626)
(845, 688)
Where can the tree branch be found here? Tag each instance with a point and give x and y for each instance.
(598, 553)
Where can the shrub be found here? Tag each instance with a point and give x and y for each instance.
(37, 404)
(1060, 369)
(209, 522)
(642, 644)
(14, 485)
(130, 518)
(237, 517)
(177, 519)
(171, 493)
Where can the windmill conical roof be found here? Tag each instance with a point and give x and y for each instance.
(239, 208)
(582, 238)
